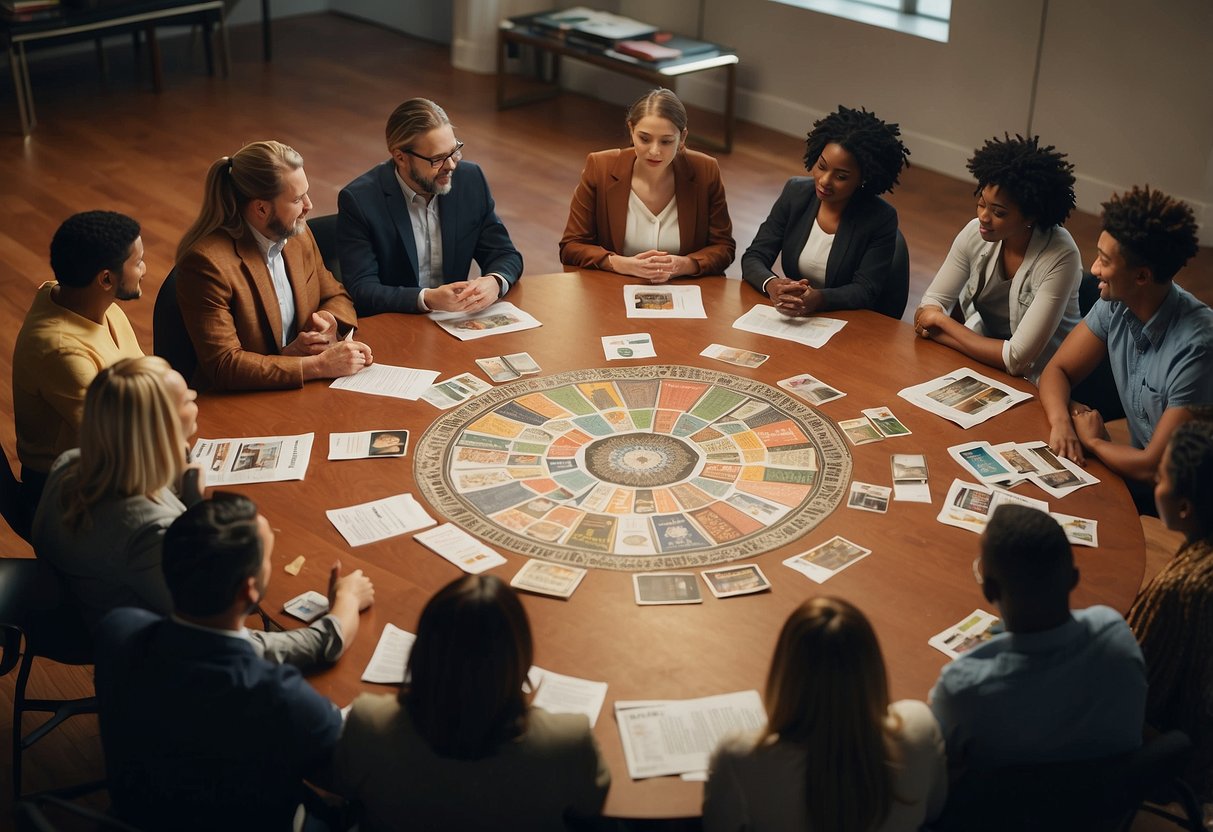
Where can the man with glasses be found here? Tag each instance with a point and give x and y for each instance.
(408, 229)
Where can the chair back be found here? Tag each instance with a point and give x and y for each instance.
(14, 501)
(324, 229)
(1098, 390)
(170, 340)
(896, 293)
(34, 603)
(1092, 795)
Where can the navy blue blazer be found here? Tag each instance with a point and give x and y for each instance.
(378, 251)
(858, 267)
(201, 733)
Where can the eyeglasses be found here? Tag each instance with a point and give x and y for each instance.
(438, 161)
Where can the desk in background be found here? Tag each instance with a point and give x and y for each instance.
(917, 582)
(519, 31)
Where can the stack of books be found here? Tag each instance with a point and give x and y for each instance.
(619, 37)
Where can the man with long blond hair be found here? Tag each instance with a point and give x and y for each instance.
(409, 228)
(262, 310)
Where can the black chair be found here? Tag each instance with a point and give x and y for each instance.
(1094, 795)
(1098, 390)
(896, 293)
(14, 501)
(34, 612)
(324, 229)
(170, 341)
(32, 816)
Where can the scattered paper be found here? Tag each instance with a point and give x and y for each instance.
(910, 478)
(653, 588)
(508, 367)
(1079, 530)
(368, 443)
(455, 390)
(546, 578)
(860, 431)
(734, 355)
(963, 636)
(295, 566)
(868, 497)
(912, 492)
(980, 460)
(767, 320)
(390, 658)
(1056, 475)
(965, 397)
(663, 301)
(386, 380)
(663, 737)
(253, 459)
(825, 561)
(970, 506)
(885, 422)
(560, 694)
(498, 319)
(460, 548)
(379, 519)
(635, 345)
(728, 581)
(810, 389)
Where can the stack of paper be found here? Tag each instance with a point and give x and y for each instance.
(678, 736)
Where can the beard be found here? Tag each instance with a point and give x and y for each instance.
(280, 230)
(429, 184)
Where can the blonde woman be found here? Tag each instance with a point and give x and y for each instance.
(108, 503)
(835, 755)
(654, 210)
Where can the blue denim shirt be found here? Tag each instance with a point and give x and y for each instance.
(1163, 363)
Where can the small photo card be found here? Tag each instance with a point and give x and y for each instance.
(368, 444)
(975, 628)
(810, 389)
(734, 355)
(496, 369)
(626, 347)
(307, 607)
(825, 561)
(547, 578)
(909, 467)
(666, 588)
(736, 580)
(1079, 530)
(885, 422)
(868, 497)
(460, 548)
(860, 431)
(455, 390)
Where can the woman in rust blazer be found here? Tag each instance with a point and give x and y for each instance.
(654, 210)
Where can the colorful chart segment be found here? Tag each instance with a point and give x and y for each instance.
(634, 468)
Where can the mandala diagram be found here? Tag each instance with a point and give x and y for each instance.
(638, 468)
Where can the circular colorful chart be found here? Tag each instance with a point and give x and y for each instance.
(635, 468)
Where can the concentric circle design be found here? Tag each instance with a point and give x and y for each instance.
(634, 468)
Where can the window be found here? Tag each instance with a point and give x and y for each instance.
(921, 18)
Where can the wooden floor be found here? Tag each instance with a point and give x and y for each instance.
(117, 145)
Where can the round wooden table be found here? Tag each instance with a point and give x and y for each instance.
(917, 581)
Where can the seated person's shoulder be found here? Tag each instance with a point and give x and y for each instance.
(119, 626)
(376, 712)
(1104, 623)
(218, 246)
(548, 728)
(370, 181)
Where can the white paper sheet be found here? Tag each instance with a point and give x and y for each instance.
(460, 548)
(253, 458)
(678, 736)
(386, 380)
(964, 396)
(560, 694)
(498, 319)
(379, 519)
(628, 347)
(390, 657)
(811, 331)
(663, 301)
(369, 444)
(966, 634)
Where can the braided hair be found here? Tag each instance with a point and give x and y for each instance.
(1152, 229)
(1038, 179)
(875, 144)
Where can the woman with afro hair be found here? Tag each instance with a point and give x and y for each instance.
(1014, 269)
(833, 234)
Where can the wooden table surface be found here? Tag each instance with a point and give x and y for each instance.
(917, 582)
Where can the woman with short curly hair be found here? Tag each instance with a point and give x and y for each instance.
(1014, 270)
(833, 234)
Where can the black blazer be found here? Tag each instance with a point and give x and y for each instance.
(859, 264)
(378, 251)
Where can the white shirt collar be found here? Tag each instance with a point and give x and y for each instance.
(268, 247)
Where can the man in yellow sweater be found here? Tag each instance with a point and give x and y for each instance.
(72, 331)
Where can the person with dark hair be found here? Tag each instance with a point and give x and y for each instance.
(1158, 338)
(460, 748)
(260, 306)
(831, 231)
(1057, 685)
(72, 331)
(1173, 615)
(655, 210)
(199, 732)
(409, 228)
(1014, 270)
(835, 754)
